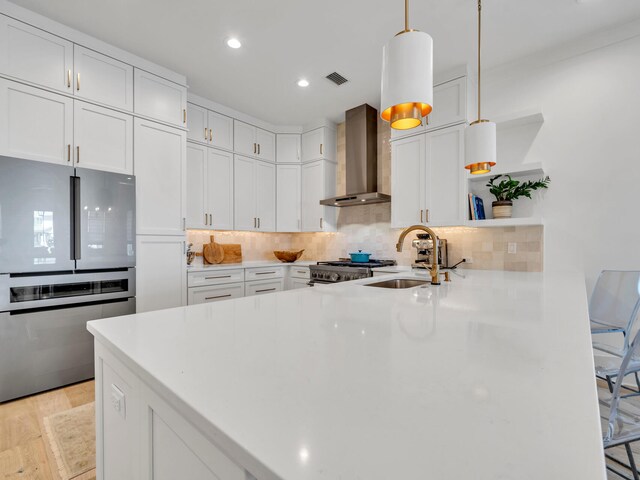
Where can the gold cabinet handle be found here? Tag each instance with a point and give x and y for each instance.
(320, 223)
(69, 153)
(258, 149)
(69, 78)
(420, 216)
(78, 81)
(210, 219)
(255, 222)
(427, 215)
(205, 218)
(320, 149)
(184, 115)
(210, 135)
(258, 222)
(205, 134)
(255, 148)
(77, 153)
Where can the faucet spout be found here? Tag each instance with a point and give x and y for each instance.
(435, 273)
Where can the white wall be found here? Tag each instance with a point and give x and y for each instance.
(590, 146)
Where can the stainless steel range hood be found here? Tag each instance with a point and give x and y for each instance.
(361, 160)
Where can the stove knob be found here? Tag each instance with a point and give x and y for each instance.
(334, 277)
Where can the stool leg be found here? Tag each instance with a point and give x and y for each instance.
(632, 462)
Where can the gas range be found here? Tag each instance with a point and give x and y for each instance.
(344, 270)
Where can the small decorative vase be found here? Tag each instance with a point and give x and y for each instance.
(502, 209)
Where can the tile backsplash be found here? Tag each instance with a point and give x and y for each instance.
(367, 228)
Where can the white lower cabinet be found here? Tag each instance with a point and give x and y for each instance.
(295, 283)
(298, 277)
(318, 182)
(160, 169)
(215, 293)
(262, 287)
(139, 435)
(161, 276)
(35, 124)
(103, 138)
(288, 198)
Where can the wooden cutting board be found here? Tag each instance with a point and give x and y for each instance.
(232, 252)
(213, 252)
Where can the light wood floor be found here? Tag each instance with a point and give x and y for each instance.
(24, 451)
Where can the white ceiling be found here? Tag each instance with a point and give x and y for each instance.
(284, 40)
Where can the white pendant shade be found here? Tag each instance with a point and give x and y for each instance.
(480, 147)
(407, 79)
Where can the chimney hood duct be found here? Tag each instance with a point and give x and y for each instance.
(361, 160)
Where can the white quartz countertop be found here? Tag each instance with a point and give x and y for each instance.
(487, 377)
(199, 266)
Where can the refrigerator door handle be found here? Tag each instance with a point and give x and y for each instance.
(76, 240)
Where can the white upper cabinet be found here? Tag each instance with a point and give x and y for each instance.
(449, 108)
(318, 182)
(446, 198)
(35, 56)
(253, 141)
(219, 174)
(266, 145)
(408, 181)
(427, 179)
(266, 196)
(254, 195)
(35, 124)
(319, 144)
(288, 148)
(102, 79)
(197, 123)
(160, 99)
(160, 169)
(209, 128)
(244, 196)
(288, 198)
(220, 131)
(197, 215)
(103, 138)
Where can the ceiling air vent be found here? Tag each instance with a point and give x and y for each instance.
(336, 78)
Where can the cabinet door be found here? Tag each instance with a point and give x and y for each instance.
(197, 124)
(266, 196)
(220, 189)
(35, 124)
(160, 154)
(288, 148)
(161, 274)
(288, 198)
(161, 99)
(103, 138)
(266, 145)
(408, 200)
(296, 283)
(244, 138)
(446, 203)
(244, 194)
(220, 131)
(35, 56)
(449, 104)
(312, 193)
(197, 215)
(102, 79)
(311, 142)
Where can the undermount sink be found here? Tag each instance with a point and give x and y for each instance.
(398, 283)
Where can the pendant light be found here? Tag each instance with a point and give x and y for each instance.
(407, 77)
(480, 136)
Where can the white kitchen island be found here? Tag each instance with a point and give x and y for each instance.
(487, 377)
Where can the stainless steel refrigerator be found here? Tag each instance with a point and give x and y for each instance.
(67, 256)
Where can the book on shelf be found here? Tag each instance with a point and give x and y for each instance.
(476, 207)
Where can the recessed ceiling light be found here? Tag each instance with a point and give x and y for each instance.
(303, 83)
(234, 43)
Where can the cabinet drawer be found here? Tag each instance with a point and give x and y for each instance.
(215, 293)
(263, 273)
(215, 277)
(300, 272)
(263, 287)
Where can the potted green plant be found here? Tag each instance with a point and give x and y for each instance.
(507, 190)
